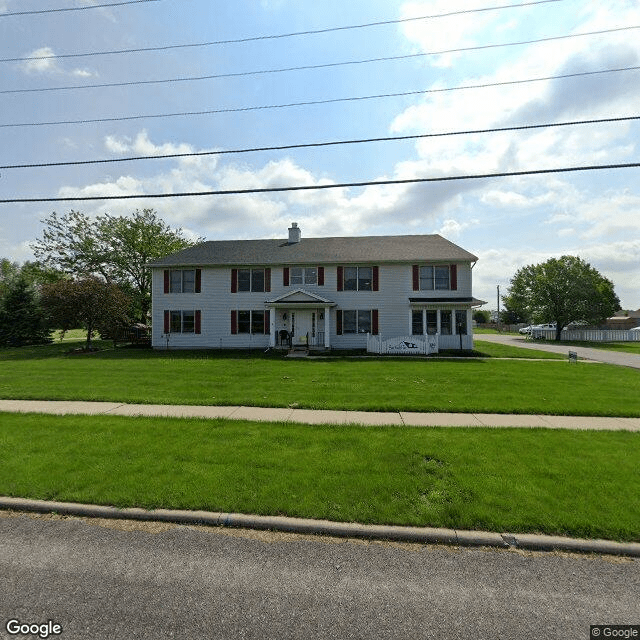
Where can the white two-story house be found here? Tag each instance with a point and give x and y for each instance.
(320, 292)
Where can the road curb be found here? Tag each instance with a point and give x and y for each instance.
(424, 535)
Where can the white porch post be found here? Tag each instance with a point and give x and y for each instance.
(327, 328)
(272, 327)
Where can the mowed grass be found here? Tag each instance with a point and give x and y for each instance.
(395, 384)
(483, 348)
(625, 347)
(576, 483)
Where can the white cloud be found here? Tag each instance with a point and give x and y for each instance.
(446, 33)
(122, 186)
(452, 229)
(117, 145)
(83, 73)
(45, 64)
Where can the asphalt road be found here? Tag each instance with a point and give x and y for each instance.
(599, 355)
(121, 580)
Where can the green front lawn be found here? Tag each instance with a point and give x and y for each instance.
(576, 483)
(215, 378)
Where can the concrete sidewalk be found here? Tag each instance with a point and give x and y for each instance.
(310, 416)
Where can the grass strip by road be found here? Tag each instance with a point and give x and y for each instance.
(484, 348)
(621, 347)
(576, 483)
(382, 384)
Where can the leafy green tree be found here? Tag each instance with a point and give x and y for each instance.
(511, 317)
(481, 316)
(135, 242)
(561, 290)
(90, 303)
(22, 320)
(9, 272)
(73, 244)
(114, 248)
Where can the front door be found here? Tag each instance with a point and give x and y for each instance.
(303, 326)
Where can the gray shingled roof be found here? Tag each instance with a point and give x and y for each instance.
(319, 251)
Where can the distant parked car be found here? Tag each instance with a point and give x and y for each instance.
(635, 329)
(535, 327)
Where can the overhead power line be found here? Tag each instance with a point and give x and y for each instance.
(281, 35)
(315, 102)
(316, 187)
(314, 66)
(329, 143)
(60, 10)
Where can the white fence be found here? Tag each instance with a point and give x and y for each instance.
(589, 335)
(403, 345)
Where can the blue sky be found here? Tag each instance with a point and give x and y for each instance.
(507, 222)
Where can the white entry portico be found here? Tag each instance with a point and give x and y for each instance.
(304, 316)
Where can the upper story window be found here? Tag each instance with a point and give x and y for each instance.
(303, 275)
(358, 278)
(437, 277)
(434, 277)
(250, 279)
(182, 281)
(255, 280)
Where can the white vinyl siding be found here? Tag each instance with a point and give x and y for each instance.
(216, 302)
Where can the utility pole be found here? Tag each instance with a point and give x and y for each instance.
(498, 318)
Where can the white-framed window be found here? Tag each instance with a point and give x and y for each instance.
(435, 277)
(358, 278)
(445, 322)
(461, 323)
(182, 281)
(303, 275)
(252, 322)
(182, 322)
(356, 321)
(251, 280)
(420, 317)
(432, 322)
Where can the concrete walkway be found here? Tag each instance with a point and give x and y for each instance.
(599, 355)
(310, 416)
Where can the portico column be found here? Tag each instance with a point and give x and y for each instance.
(272, 327)
(327, 328)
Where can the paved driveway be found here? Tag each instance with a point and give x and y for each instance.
(600, 355)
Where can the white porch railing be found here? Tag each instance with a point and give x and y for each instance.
(403, 345)
(589, 335)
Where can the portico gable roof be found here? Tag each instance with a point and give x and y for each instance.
(300, 297)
